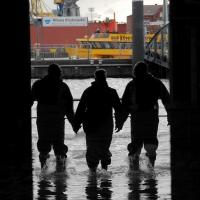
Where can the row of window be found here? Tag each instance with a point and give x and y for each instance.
(107, 45)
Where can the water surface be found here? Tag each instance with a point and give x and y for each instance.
(118, 183)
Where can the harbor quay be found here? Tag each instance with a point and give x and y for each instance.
(85, 68)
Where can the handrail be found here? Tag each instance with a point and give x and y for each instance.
(113, 116)
(77, 99)
(156, 54)
(158, 32)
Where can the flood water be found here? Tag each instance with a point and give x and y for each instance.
(119, 182)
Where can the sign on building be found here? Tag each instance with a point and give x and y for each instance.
(64, 21)
(156, 23)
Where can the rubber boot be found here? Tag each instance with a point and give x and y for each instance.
(93, 170)
(104, 166)
(43, 158)
(61, 162)
(134, 162)
(152, 160)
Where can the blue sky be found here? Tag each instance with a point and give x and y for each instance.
(106, 8)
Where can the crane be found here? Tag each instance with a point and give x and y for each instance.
(38, 8)
(60, 7)
(67, 8)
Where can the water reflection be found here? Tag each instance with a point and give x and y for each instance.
(150, 189)
(142, 188)
(134, 187)
(44, 189)
(98, 188)
(52, 187)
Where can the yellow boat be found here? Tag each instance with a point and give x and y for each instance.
(103, 45)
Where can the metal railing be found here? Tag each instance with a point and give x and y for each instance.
(157, 51)
(41, 52)
(77, 100)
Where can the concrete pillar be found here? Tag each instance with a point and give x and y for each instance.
(165, 12)
(138, 30)
(185, 92)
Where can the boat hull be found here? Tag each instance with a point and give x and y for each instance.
(74, 52)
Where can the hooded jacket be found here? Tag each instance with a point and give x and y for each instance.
(142, 94)
(53, 95)
(95, 109)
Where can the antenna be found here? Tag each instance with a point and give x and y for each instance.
(91, 11)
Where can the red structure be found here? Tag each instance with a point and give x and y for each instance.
(108, 26)
(122, 28)
(56, 35)
(68, 35)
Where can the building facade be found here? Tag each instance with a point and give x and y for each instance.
(153, 19)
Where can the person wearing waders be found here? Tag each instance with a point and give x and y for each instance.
(54, 102)
(95, 112)
(140, 100)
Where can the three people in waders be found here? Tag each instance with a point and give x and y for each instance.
(54, 102)
(95, 112)
(140, 100)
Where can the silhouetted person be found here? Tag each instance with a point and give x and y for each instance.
(140, 99)
(95, 111)
(54, 102)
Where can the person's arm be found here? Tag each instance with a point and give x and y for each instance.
(165, 98)
(69, 112)
(33, 93)
(80, 112)
(118, 111)
(125, 104)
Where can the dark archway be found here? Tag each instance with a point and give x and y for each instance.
(15, 142)
(15, 147)
(185, 93)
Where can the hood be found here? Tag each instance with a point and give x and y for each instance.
(144, 77)
(99, 84)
